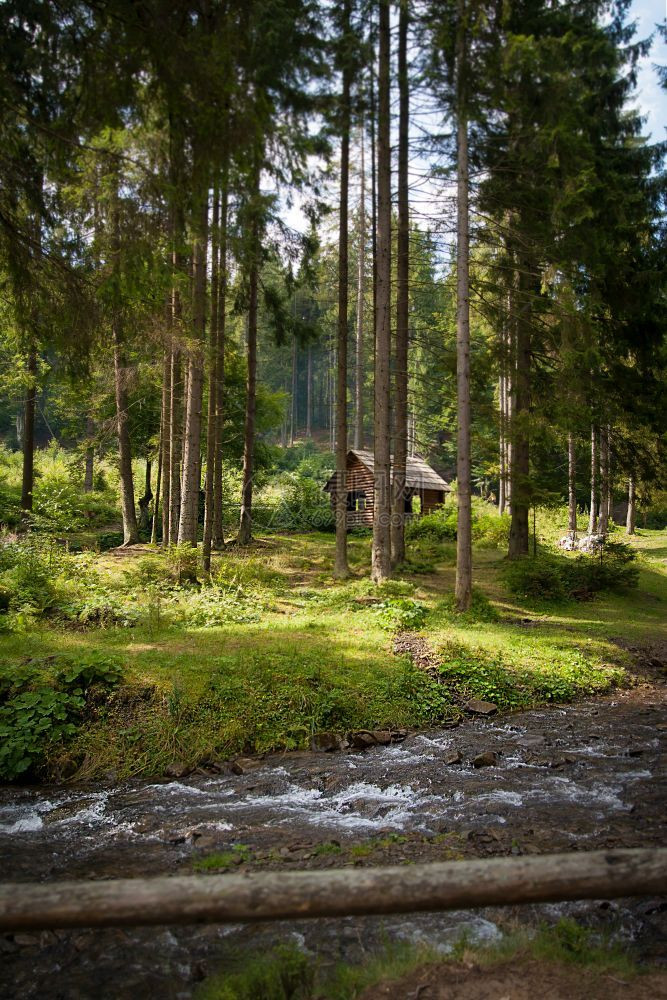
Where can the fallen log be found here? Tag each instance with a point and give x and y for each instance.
(259, 896)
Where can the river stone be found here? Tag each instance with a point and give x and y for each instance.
(486, 759)
(531, 742)
(362, 739)
(177, 769)
(476, 707)
(245, 764)
(381, 736)
(453, 758)
(324, 742)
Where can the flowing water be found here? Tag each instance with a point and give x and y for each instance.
(579, 777)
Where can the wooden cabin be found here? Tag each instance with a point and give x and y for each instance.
(420, 481)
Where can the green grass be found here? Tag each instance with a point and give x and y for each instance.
(315, 655)
(289, 974)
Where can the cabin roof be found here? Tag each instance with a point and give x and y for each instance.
(418, 474)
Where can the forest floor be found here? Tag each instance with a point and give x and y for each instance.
(577, 766)
(277, 652)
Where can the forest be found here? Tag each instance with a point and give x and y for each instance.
(333, 382)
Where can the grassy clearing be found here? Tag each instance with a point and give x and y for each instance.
(289, 974)
(276, 650)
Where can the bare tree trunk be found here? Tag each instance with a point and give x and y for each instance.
(572, 486)
(293, 394)
(158, 484)
(176, 387)
(129, 513)
(592, 519)
(502, 474)
(374, 165)
(510, 357)
(212, 385)
(189, 515)
(175, 435)
(165, 452)
(381, 549)
(463, 488)
(361, 288)
(630, 519)
(28, 437)
(521, 386)
(218, 541)
(245, 527)
(144, 501)
(402, 279)
(309, 393)
(603, 519)
(341, 569)
(90, 456)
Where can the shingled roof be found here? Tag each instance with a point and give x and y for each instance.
(418, 474)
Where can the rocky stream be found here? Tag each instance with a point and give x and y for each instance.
(569, 778)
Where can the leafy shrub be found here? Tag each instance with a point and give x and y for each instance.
(481, 609)
(488, 527)
(303, 506)
(213, 606)
(182, 562)
(475, 673)
(555, 577)
(76, 676)
(110, 540)
(29, 722)
(29, 566)
(400, 614)
(56, 507)
(440, 526)
(34, 716)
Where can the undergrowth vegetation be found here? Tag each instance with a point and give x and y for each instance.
(269, 650)
(554, 577)
(287, 973)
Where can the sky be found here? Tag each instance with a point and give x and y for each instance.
(651, 98)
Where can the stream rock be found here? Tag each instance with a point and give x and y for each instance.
(476, 707)
(487, 759)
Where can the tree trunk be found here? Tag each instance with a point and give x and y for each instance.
(245, 527)
(341, 569)
(158, 487)
(502, 471)
(374, 165)
(28, 438)
(630, 519)
(592, 519)
(603, 519)
(89, 468)
(164, 468)
(309, 393)
(212, 386)
(189, 515)
(175, 436)
(218, 541)
(129, 513)
(293, 395)
(381, 550)
(361, 283)
(174, 445)
(464, 508)
(520, 472)
(402, 279)
(572, 486)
